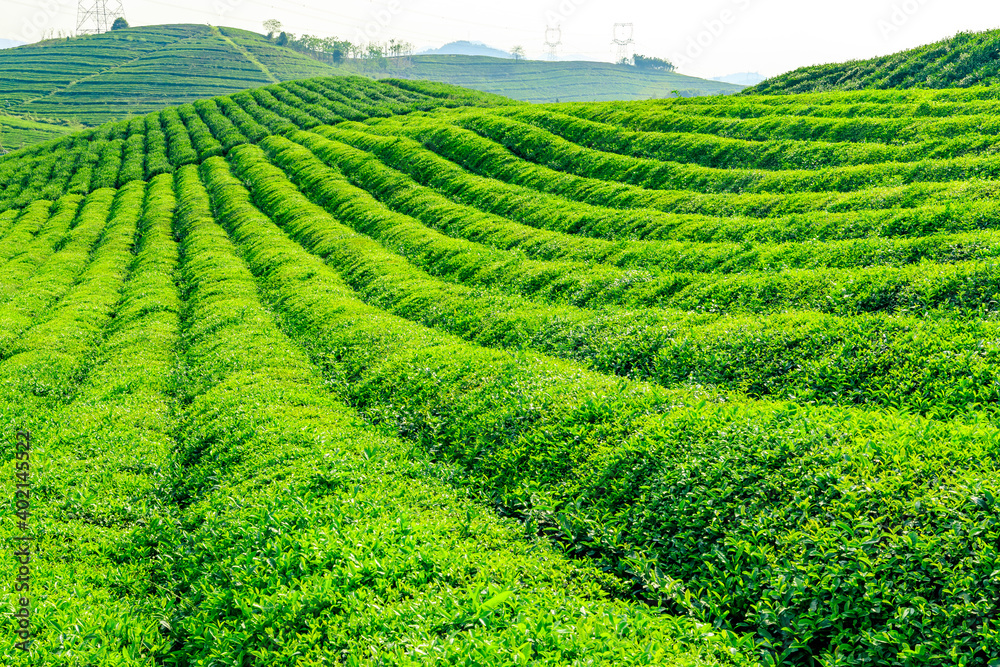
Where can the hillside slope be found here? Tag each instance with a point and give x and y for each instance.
(728, 367)
(140, 339)
(17, 132)
(967, 59)
(92, 79)
(544, 81)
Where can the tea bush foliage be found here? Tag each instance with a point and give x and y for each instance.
(394, 373)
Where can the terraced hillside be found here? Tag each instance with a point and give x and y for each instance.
(93, 79)
(544, 81)
(967, 59)
(336, 371)
(17, 132)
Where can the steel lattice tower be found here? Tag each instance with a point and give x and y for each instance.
(553, 40)
(96, 16)
(623, 40)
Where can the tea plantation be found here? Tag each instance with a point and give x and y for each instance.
(92, 79)
(559, 81)
(964, 60)
(88, 80)
(344, 372)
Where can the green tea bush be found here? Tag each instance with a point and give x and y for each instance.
(201, 136)
(949, 137)
(157, 160)
(800, 355)
(134, 159)
(108, 168)
(121, 410)
(221, 127)
(27, 223)
(485, 590)
(560, 214)
(329, 110)
(488, 158)
(437, 211)
(388, 372)
(180, 148)
(737, 501)
(300, 117)
(273, 122)
(242, 121)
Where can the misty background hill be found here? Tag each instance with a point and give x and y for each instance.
(466, 48)
(741, 78)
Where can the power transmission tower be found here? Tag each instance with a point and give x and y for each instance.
(96, 16)
(553, 40)
(623, 40)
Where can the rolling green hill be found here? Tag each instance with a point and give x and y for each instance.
(396, 373)
(17, 132)
(98, 78)
(544, 81)
(967, 59)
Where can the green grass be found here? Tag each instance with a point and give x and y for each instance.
(965, 60)
(396, 373)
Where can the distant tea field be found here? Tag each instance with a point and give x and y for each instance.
(559, 81)
(92, 79)
(87, 80)
(337, 371)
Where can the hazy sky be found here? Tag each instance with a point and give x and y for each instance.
(705, 38)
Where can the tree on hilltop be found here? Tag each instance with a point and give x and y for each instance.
(655, 64)
(119, 24)
(272, 26)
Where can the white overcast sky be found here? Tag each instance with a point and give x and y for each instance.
(705, 37)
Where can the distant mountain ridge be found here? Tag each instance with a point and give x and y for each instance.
(10, 43)
(967, 59)
(741, 78)
(467, 48)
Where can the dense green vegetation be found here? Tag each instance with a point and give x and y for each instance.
(17, 132)
(569, 81)
(401, 373)
(92, 79)
(967, 59)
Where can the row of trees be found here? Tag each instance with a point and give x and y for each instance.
(337, 51)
